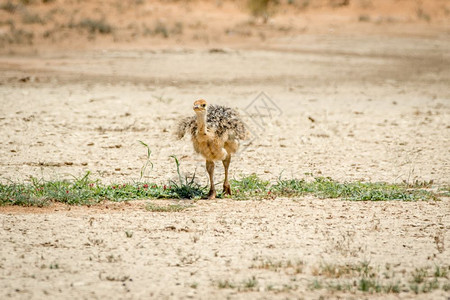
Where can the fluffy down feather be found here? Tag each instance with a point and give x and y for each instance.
(220, 119)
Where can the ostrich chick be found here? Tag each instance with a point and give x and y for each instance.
(216, 131)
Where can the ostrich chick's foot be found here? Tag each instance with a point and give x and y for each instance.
(226, 189)
(212, 194)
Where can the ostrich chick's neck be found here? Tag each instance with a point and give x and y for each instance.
(201, 122)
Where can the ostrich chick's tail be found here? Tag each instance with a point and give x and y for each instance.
(185, 124)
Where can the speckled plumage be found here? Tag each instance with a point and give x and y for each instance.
(220, 120)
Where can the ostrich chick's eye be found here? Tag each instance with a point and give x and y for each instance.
(203, 105)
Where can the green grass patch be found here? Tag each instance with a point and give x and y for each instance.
(85, 191)
(325, 187)
(249, 187)
(20, 194)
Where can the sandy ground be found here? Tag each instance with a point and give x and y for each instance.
(372, 107)
(187, 254)
(376, 111)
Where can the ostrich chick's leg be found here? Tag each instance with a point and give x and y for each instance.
(226, 184)
(212, 189)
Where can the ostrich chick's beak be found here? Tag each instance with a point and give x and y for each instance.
(199, 105)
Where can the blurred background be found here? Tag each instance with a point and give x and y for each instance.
(42, 24)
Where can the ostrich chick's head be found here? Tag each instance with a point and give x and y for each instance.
(200, 106)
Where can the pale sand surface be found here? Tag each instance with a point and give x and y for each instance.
(352, 107)
(187, 254)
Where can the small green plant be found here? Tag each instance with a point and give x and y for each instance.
(338, 286)
(421, 14)
(334, 271)
(440, 272)
(419, 275)
(288, 266)
(9, 7)
(118, 278)
(177, 28)
(364, 18)
(147, 162)
(331, 270)
(93, 26)
(369, 285)
(250, 283)
(187, 188)
(364, 269)
(315, 285)
(444, 191)
(32, 19)
(194, 285)
(414, 288)
(161, 29)
(392, 288)
(419, 184)
(446, 287)
(430, 285)
(268, 265)
(245, 285)
(112, 259)
(19, 36)
(225, 284)
(165, 208)
(260, 8)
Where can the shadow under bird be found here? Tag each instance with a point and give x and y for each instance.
(215, 132)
